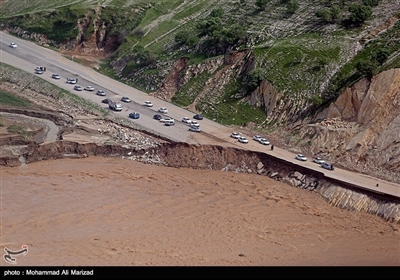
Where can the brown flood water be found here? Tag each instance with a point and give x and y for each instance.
(105, 211)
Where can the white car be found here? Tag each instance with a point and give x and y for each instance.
(257, 137)
(195, 124)
(263, 141)
(318, 160)
(243, 139)
(186, 120)
(148, 104)
(163, 110)
(235, 135)
(71, 81)
(101, 92)
(118, 107)
(13, 45)
(164, 120)
(169, 122)
(301, 157)
(78, 88)
(194, 129)
(89, 88)
(55, 76)
(115, 106)
(125, 99)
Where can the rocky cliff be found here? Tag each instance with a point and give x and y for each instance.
(361, 128)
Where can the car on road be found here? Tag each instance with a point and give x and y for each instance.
(318, 160)
(169, 122)
(257, 137)
(115, 106)
(157, 117)
(71, 81)
(148, 104)
(13, 45)
(163, 110)
(243, 139)
(301, 157)
(38, 71)
(186, 120)
(195, 123)
(106, 101)
(125, 99)
(235, 135)
(328, 166)
(198, 116)
(101, 92)
(89, 88)
(42, 68)
(194, 129)
(78, 88)
(263, 141)
(55, 76)
(166, 119)
(134, 115)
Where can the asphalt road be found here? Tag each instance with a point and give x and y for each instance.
(29, 55)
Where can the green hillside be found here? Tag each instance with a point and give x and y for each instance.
(309, 50)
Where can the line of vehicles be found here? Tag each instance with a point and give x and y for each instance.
(264, 141)
(117, 107)
(243, 139)
(317, 160)
(193, 124)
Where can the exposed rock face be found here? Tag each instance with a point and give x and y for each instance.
(278, 107)
(97, 43)
(363, 125)
(221, 70)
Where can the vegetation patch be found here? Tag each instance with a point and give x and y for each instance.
(19, 129)
(12, 100)
(188, 92)
(229, 109)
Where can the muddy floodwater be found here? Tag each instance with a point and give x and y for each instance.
(107, 211)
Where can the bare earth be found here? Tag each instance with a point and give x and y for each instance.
(104, 211)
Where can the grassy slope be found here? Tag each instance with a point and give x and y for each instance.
(26, 80)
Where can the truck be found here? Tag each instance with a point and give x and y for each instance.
(115, 106)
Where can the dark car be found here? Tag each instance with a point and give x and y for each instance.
(134, 115)
(328, 166)
(106, 101)
(157, 117)
(198, 117)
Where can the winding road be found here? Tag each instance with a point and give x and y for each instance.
(28, 55)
